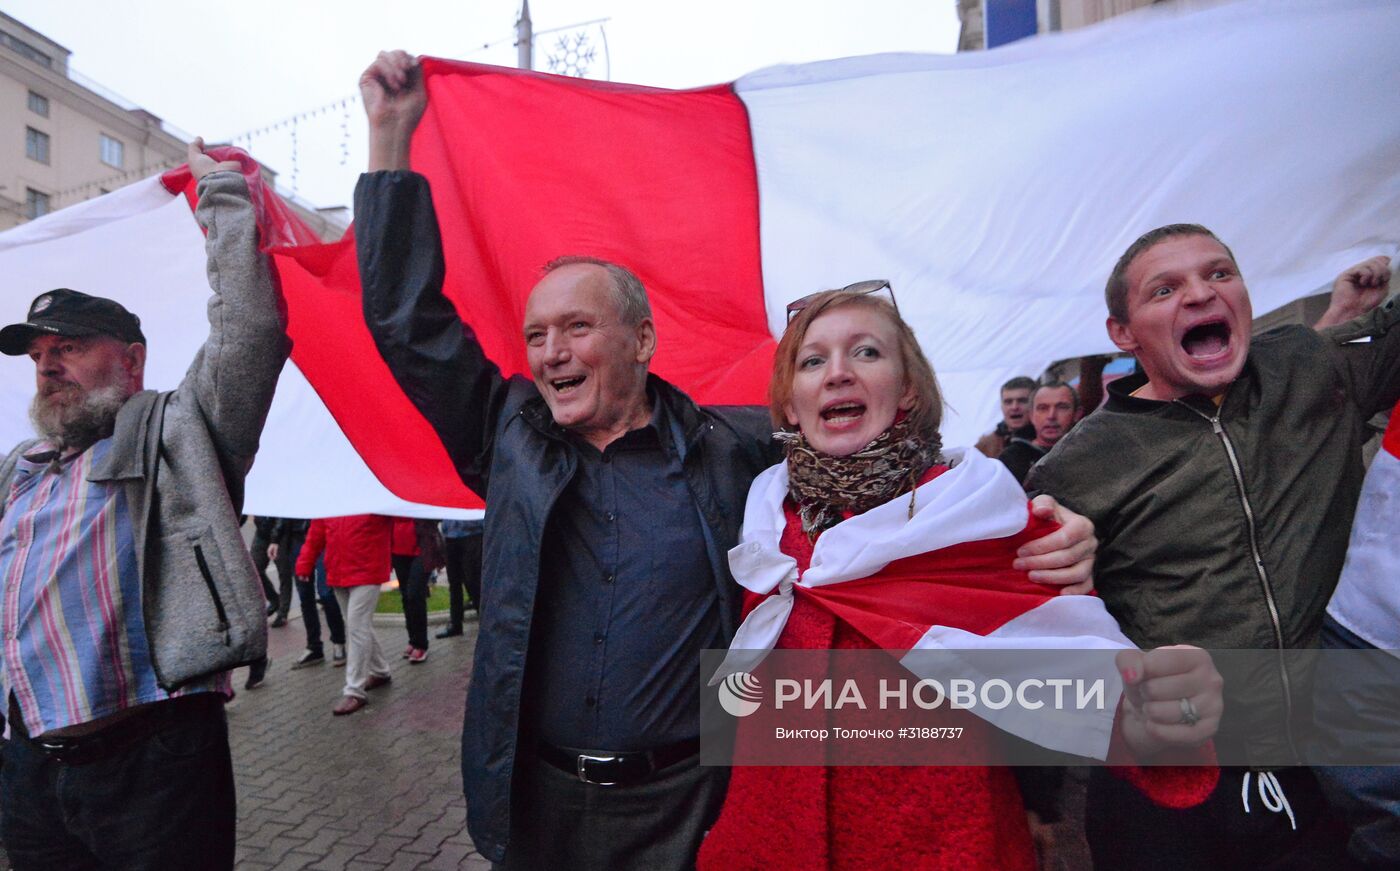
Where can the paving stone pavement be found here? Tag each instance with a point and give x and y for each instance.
(380, 788)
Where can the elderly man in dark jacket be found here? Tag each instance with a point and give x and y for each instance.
(612, 500)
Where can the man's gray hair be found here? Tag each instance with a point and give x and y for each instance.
(1056, 385)
(628, 291)
(80, 423)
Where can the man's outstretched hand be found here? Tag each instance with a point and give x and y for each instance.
(394, 97)
(202, 164)
(1356, 291)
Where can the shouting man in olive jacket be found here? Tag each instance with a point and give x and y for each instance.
(1222, 482)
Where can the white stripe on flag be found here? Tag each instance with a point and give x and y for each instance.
(1367, 600)
(1081, 635)
(996, 189)
(141, 246)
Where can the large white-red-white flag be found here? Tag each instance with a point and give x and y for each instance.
(993, 189)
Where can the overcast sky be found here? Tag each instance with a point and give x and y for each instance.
(222, 70)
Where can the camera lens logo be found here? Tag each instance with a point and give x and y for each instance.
(740, 694)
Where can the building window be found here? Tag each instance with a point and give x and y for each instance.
(36, 145)
(112, 151)
(36, 204)
(25, 50)
(38, 104)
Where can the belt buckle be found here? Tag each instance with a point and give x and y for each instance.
(581, 767)
(60, 750)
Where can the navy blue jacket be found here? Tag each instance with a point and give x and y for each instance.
(504, 443)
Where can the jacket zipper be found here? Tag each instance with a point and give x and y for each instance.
(214, 593)
(1259, 569)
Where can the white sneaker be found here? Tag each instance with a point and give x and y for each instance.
(338, 655)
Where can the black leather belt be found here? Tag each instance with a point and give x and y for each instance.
(124, 733)
(603, 768)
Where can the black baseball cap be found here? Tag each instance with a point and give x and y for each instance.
(65, 312)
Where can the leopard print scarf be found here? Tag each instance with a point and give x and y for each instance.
(825, 488)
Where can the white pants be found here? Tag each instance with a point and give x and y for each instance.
(363, 655)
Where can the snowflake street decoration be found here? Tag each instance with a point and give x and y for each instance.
(572, 56)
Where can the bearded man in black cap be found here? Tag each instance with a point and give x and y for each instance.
(126, 594)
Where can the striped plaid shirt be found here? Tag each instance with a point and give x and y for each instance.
(75, 647)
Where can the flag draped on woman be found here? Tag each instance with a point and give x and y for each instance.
(939, 581)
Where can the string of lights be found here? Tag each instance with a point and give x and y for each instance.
(343, 105)
(86, 190)
(113, 181)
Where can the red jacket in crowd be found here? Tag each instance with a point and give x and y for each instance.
(405, 537)
(419, 538)
(356, 548)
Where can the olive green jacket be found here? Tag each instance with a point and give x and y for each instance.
(1227, 528)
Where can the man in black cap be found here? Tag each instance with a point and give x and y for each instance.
(125, 592)
(90, 356)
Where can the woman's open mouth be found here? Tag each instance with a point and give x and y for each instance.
(843, 412)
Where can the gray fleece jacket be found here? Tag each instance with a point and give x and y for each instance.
(182, 457)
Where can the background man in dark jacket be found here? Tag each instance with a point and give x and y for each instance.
(1223, 481)
(1054, 406)
(265, 538)
(1015, 417)
(462, 540)
(288, 535)
(612, 500)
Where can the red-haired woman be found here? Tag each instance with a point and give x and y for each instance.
(870, 536)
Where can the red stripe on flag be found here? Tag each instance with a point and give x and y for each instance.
(527, 167)
(320, 287)
(332, 347)
(969, 586)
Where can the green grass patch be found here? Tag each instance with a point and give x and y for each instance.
(390, 602)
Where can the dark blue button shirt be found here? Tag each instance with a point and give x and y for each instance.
(626, 602)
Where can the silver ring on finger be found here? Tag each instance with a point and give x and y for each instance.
(1189, 715)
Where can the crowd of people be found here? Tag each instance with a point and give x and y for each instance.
(341, 563)
(1204, 504)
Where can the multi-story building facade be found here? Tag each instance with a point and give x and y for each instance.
(63, 140)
